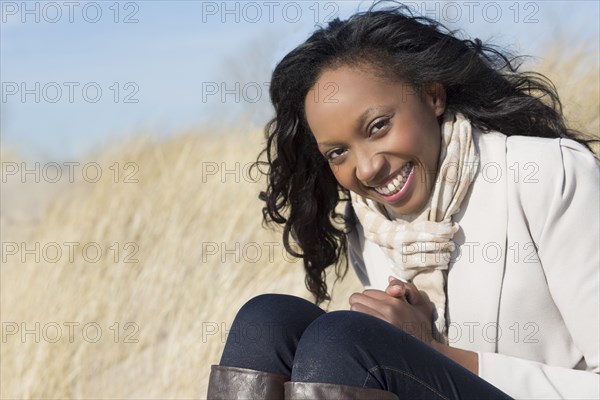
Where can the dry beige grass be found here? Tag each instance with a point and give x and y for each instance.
(175, 294)
(576, 73)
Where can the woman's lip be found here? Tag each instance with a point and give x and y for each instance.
(410, 181)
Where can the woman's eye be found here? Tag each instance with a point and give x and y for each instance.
(379, 125)
(335, 153)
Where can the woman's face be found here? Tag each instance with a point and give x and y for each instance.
(382, 139)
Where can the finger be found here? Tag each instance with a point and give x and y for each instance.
(367, 310)
(374, 301)
(375, 294)
(414, 295)
(384, 296)
(409, 290)
(381, 302)
(395, 290)
(390, 309)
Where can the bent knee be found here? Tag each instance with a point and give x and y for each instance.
(277, 308)
(338, 330)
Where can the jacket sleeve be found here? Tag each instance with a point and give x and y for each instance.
(565, 227)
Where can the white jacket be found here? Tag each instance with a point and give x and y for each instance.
(523, 285)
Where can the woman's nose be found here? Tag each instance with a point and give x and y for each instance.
(368, 167)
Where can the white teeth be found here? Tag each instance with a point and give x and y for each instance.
(395, 185)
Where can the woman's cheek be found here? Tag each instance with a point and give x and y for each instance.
(342, 178)
(403, 143)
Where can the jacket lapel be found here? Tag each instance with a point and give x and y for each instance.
(475, 277)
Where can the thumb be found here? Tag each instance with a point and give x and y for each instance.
(413, 296)
(395, 290)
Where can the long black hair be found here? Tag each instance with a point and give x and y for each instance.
(481, 81)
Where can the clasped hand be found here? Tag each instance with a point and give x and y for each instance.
(401, 304)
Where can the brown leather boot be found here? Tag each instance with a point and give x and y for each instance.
(230, 383)
(328, 391)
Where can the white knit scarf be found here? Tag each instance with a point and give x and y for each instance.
(420, 246)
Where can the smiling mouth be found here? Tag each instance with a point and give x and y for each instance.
(396, 184)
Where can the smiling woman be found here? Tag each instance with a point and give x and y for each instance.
(376, 135)
(463, 191)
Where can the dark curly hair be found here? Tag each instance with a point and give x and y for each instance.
(481, 82)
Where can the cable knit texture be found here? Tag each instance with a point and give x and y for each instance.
(420, 246)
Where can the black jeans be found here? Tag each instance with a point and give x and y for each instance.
(289, 335)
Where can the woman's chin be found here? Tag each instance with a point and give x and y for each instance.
(407, 209)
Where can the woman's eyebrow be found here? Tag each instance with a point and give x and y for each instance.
(329, 144)
(360, 121)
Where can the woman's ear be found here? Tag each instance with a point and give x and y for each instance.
(435, 96)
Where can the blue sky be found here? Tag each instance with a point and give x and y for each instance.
(161, 66)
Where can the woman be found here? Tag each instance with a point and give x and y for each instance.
(464, 195)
